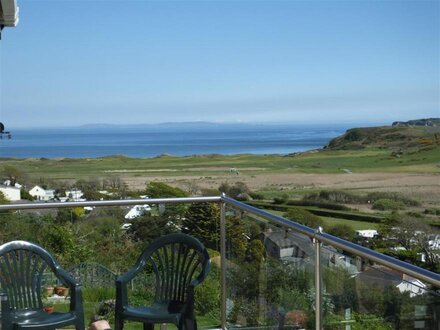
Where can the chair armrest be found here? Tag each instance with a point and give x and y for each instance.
(66, 277)
(76, 302)
(6, 320)
(199, 279)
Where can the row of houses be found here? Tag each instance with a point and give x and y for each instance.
(13, 193)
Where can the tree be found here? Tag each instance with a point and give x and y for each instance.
(12, 174)
(236, 238)
(3, 199)
(162, 190)
(202, 221)
(304, 217)
(343, 231)
(235, 191)
(147, 228)
(69, 215)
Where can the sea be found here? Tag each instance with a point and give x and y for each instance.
(180, 139)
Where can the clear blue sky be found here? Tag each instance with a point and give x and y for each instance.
(78, 62)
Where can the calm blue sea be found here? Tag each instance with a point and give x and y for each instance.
(176, 139)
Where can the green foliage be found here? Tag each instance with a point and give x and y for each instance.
(375, 196)
(388, 205)
(12, 173)
(202, 221)
(162, 190)
(336, 196)
(66, 215)
(303, 217)
(343, 231)
(96, 295)
(25, 195)
(207, 298)
(3, 199)
(255, 252)
(235, 191)
(235, 235)
(147, 228)
(93, 195)
(64, 244)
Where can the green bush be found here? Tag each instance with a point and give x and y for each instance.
(304, 217)
(386, 204)
(207, 300)
(335, 196)
(375, 196)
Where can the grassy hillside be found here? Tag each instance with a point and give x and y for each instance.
(402, 138)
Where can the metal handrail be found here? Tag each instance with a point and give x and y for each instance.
(118, 202)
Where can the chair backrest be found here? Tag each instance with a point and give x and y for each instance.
(178, 260)
(22, 269)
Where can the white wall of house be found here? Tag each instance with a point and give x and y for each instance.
(74, 195)
(41, 194)
(11, 193)
(137, 211)
(414, 287)
(367, 233)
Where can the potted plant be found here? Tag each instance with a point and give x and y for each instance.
(49, 309)
(49, 290)
(60, 290)
(296, 318)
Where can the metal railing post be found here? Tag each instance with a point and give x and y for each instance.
(223, 263)
(318, 282)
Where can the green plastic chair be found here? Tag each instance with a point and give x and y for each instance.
(23, 266)
(179, 263)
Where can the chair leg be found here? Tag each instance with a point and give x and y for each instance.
(148, 326)
(119, 324)
(190, 324)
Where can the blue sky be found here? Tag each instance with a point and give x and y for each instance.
(78, 62)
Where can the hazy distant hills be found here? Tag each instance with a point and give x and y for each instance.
(411, 134)
(419, 122)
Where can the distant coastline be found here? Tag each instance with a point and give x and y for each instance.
(179, 139)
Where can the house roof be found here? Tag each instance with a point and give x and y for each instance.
(285, 239)
(379, 276)
(8, 13)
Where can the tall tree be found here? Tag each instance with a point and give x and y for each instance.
(202, 221)
(12, 174)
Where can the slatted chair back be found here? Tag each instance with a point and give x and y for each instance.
(22, 269)
(177, 260)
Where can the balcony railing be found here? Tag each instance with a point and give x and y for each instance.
(292, 276)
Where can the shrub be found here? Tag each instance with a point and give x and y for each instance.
(386, 204)
(324, 205)
(336, 196)
(373, 197)
(304, 217)
(343, 231)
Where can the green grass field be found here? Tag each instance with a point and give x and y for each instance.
(324, 161)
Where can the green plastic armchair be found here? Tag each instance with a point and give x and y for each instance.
(179, 262)
(22, 269)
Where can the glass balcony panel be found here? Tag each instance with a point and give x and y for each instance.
(270, 274)
(360, 295)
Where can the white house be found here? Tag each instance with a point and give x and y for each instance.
(75, 195)
(137, 211)
(11, 193)
(411, 285)
(42, 194)
(367, 233)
